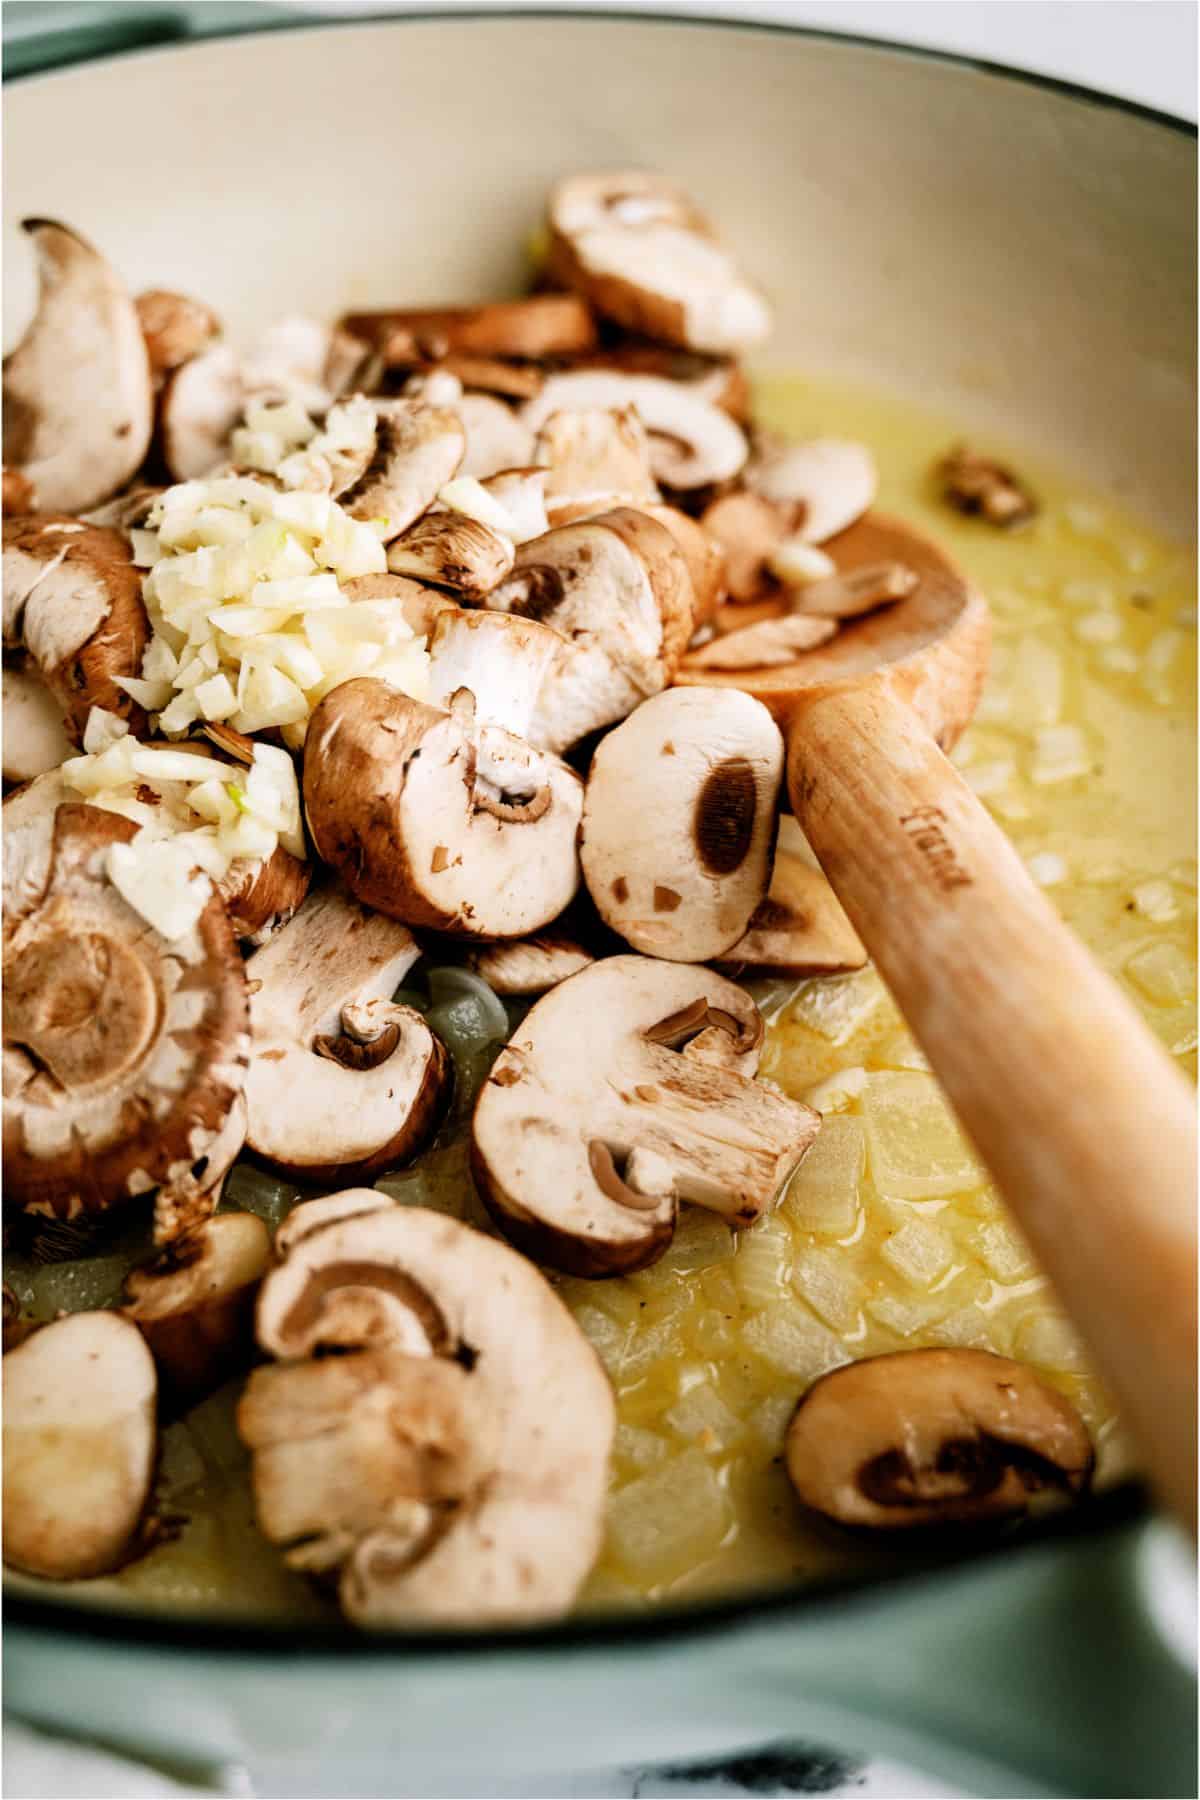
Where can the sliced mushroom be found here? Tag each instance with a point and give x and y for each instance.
(835, 482)
(768, 644)
(200, 403)
(639, 249)
(533, 965)
(19, 494)
(175, 328)
(73, 600)
(79, 1446)
(539, 326)
(421, 606)
(680, 872)
(418, 449)
(78, 402)
(450, 1464)
(124, 1054)
(799, 929)
(437, 821)
(195, 1305)
(718, 379)
(587, 1136)
(930, 1437)
(262, 894)
(342, 1082)
(496, 438)
(35, 737)
(860, 591)
(692, 442)
(704, 557)
(311, 1215)
(453, 551)
(617, 587)
(749, 529)
(598, 459)
(501, 658)
(522, 494)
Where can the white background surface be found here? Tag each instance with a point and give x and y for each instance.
(1144, 50)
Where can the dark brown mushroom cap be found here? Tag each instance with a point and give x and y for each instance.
(928, 1437)
(124, 1054)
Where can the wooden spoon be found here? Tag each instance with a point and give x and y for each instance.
(1083, 1119)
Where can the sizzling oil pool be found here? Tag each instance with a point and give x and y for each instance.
(888, 1236)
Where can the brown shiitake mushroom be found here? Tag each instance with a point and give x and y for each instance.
(929, 1437)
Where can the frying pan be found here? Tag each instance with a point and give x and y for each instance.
(1014, 251)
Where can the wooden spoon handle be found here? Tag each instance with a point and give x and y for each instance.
(1087, 1126)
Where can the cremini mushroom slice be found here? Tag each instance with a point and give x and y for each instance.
(586, 1136)
(79, 1446)
(644, 255)
(342, 1082)
(124, 1053)
(450, 1463)
(617, 588)
(541, 325)
(703, 555)
(522, 494)
(798, 929)
(454, 551)
(35, 737)
(175, 327)
(422, 606)
(597, 459)
(418, 449)
(437, 820)
(195, 1305)
(749, 530)
(78, 400)
(497, 438)
(501, 658)
(859, 591)
(19, 494)
(200, 404)
(833, 480)
(262, 894)
(311, 1215)
(715, 378)
(532, 965)
(679, 821)
(765, 645)
(930, 1437)
(73, 601)
(693, 443)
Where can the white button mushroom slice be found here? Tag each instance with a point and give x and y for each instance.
(540, 325)
(692, 442)
(497, 437)
(833, 479)
(440, 1481)
(125, 1054)
(79, 1446)
(645, 256)
(435, 821)
(679, 821)
(598, 458)
(195, 1305)
(310, 1215)
(78, 400)
(73, 598)
(453, 551)
(768, 644)
(859, 591)
(522, 494)
(799, 929)
(175, 327)
(565, 1106)
(341, 1081)
(618, 588)
(501, 658)
(199, 407)
(532, 965)
(35, 737)
(418, 449)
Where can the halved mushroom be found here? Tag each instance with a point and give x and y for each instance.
(692, 441)
(835, 481)
(532, 965)
(78, 401)
(418, 448)
(680, 873)
(453, 551)
(502, 658)
(643, 254)
(585, 1139)
(200, 404)
(79, 1446)
(617, 587)
(124, 1054)
(175, 327)
(342, 1082)
(195, 1305)
(798, 929)
(931, 1437)
(436, 820)
(597, 459)
(73, 600)
(450, 1463)
(539, 326)
(35, 737)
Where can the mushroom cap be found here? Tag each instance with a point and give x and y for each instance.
(680, 873)
(659, 1084)
(925, 1437)
(73, 598)
(79, 1445)
(704, 557)
(200, 403)
(692, 441)
(35, 737)
(340, 1079)
(453, 551)
(124, 1054)
(430, 820)
(78, 400)
(260, 896)
(418, 449)
(452, 1460)
(643, 254)
(195, 1305)
(175, 327)
(799, 928)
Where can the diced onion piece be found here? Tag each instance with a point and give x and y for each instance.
(156, 878)
(796, 563)
(179, 765)
(268, 698)
(102, 730)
